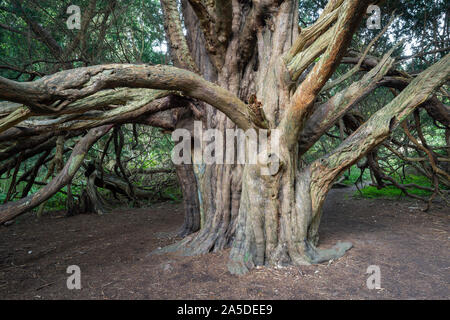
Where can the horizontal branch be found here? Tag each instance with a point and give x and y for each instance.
(399, 80)
(15, 117)
(54, 93)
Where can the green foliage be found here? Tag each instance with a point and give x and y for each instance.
(353, 175)
(371, 192)
(57, 202)
(120, 31)
(173, 193)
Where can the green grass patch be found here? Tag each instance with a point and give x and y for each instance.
(388, 192)
(371, 192)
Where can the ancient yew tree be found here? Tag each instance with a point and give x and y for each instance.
(235, 64)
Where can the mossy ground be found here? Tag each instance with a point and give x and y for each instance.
(371, 192)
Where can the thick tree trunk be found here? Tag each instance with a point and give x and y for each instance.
(186, 178)
(95, 203)
(279, 219)
(219, 186)
(266, 219)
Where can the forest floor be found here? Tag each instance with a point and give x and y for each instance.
(412, 249)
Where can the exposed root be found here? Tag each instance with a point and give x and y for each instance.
(317, 256)
(240, 264)
(237, 267)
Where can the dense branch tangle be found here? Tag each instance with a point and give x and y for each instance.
(247, 49)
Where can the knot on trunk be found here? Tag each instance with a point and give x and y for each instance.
(256, 108)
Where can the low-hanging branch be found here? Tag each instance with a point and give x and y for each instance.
(55, 93)
(11, 210)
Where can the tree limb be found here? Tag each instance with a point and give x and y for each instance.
(380, 125)
(9, 211)
(303, 99)
(54, 93)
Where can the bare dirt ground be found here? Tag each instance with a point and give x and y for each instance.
(410, 247)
